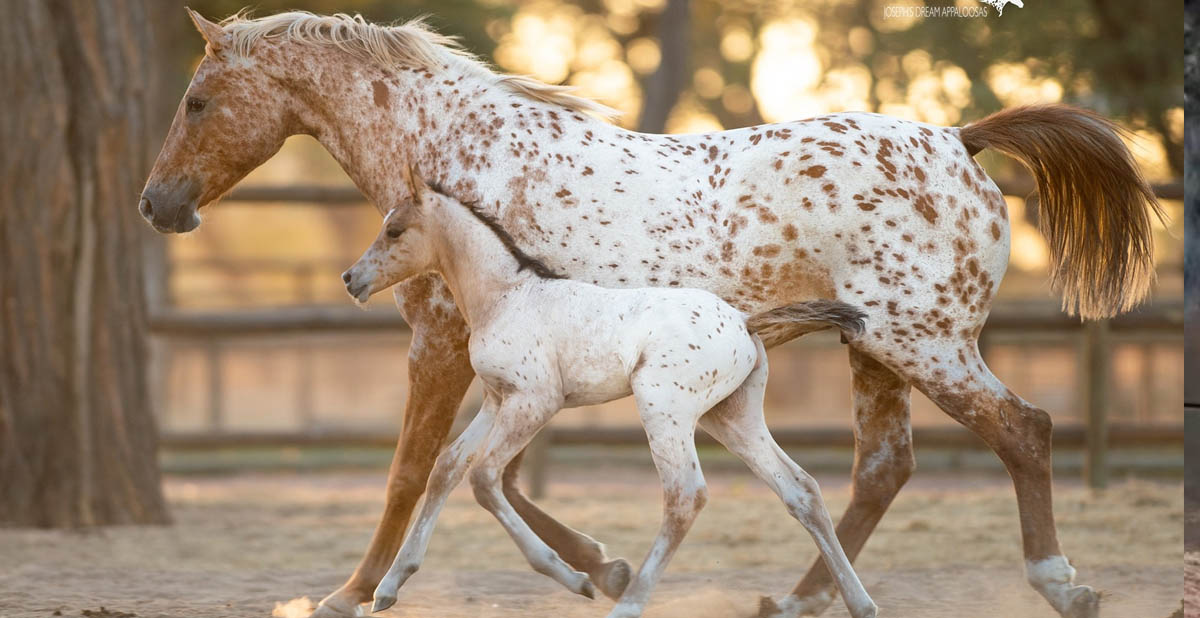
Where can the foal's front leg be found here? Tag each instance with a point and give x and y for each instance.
(447, 473)
(519, 419)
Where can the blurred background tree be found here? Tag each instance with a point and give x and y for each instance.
(82, 123)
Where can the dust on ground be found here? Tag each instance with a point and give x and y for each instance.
(253, 545)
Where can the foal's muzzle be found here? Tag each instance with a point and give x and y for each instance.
(357, 285)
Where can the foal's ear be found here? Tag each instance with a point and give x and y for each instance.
(416, 186)
(213, 34)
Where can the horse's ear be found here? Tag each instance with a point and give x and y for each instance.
(213, 34)
(416, 186)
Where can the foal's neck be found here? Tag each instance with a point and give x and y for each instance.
(476, 265)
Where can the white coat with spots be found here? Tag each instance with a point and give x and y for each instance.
(540, 344)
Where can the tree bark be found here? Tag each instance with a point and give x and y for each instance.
(78, 441)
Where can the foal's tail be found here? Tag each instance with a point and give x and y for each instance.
(782, 324)
(1094, 205)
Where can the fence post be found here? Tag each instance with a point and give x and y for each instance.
(216, 394)
(1098, 349)
(536, 458)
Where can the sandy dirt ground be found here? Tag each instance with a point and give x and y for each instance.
(262, 545)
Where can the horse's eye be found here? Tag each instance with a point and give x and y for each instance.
(394, 232)
(194, 105)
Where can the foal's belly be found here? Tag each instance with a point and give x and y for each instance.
(590, 381)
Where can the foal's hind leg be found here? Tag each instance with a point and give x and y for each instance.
(883, 461)
(738, 423)
(672, 438)
(1019, 433)
(578, 549)
(518, 421)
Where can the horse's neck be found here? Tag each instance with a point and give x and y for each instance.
(374, 121)
(475, 264)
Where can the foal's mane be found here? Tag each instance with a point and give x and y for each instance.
(524, 260)
(412, 44)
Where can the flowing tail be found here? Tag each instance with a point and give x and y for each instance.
(782, 324)
(1094, 204)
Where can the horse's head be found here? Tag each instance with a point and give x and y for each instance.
(232, 118)
(403, 247)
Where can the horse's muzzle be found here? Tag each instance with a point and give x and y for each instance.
(174, 219)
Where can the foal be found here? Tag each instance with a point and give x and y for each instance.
(540, 343)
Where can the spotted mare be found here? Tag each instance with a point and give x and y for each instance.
(891, 215)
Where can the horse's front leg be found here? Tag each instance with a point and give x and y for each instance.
(439, 372)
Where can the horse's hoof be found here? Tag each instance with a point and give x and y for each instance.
(613, 578)
(342, 603)
(1086, 603)
(588, 590)
(382, 602)
(326, 611)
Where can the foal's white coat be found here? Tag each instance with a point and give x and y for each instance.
(540, 344)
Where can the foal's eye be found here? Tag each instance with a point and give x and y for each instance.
(194, 105)
(394, 232)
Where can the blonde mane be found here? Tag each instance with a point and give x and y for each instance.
(412, 44)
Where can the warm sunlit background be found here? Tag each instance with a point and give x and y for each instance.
(742, 63)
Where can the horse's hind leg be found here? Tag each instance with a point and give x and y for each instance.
(883, 462)
(1019, 433)
(738, 423)
(519, 421)
(578, 549)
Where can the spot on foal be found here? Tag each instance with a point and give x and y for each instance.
(540, 343)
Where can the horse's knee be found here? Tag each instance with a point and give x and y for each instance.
(405, 487)
(684, 504)
(803, 497)
(1023, 440)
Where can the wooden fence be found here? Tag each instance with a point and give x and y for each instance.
(1162, 321)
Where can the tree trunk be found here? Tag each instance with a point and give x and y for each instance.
(78, 442)
(663, 86)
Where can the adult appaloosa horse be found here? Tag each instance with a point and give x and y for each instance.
(889, 215)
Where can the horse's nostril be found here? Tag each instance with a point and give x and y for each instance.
(145, 208)
(346, 277)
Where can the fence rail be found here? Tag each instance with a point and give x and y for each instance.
(1030, 321)
(1065, 436)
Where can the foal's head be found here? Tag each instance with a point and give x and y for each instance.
(233, 117)
(403, 247)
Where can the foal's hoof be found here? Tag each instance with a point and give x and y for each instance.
(613, 578)
(792, 606)
(588, 590)
(1086, 603)
(382, 602)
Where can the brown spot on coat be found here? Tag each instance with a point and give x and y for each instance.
(379, 91)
